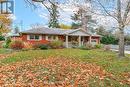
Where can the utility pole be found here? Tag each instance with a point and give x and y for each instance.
(21, 24)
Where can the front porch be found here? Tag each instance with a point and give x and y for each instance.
(79, 38)
(76, 41)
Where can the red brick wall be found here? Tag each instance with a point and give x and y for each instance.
(61, 37)
(24, 38)
(96, 38)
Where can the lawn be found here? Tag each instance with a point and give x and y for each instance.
(4, 51)
(66, 67)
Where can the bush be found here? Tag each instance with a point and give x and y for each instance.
(84, 48)
(40, 46)
(56, 44)
(1, 44)
(98, 46)
(7, 42)
(109, 39)
(2, 38)
(89, 46)
(43, 47)
(28, 45)
(36, 46)
(107, 47)
(17, 45)
(74, 44)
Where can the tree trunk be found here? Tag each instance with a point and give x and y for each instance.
(84, 21)
(121, 43)
(121, 30)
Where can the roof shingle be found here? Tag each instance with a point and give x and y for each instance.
(44, 30)
(54, 31)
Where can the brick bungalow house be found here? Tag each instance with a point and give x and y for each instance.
(45, 35)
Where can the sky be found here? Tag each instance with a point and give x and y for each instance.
(27, 15)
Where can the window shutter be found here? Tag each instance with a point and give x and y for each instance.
(40, 37)
(46, 37)
(28, 37)
(57, 38)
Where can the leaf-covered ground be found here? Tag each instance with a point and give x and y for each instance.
(53, 72)
(64, 68)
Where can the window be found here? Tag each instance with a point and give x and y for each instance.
(51, 38)
(54, 37)
(37, 37)
(34, 37)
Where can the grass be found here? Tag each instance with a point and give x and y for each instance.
(3, 51)
(106, 59)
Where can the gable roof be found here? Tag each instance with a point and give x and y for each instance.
(54, 31)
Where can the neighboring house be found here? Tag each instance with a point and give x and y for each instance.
(15, 36)
(45, 35)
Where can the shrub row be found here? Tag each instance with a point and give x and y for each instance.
(18, 45)
(40, 46)
(90, 46)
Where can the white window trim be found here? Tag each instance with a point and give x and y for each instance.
(52, 38)
(40, 38)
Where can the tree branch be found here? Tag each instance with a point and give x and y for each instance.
(126, 12)
(47, 8)
(28, 1)
(106, 10)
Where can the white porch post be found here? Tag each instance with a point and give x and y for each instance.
(90, 38)
(79, 41)
(66, 42)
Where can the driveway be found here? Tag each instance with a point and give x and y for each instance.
(127, 52)
(115, 48)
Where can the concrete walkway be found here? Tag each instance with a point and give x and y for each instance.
(127, 52)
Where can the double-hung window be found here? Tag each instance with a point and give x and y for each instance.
(52, 38)
(34, 37)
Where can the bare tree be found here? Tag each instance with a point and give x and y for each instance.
(119, 10)
(36, 25)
